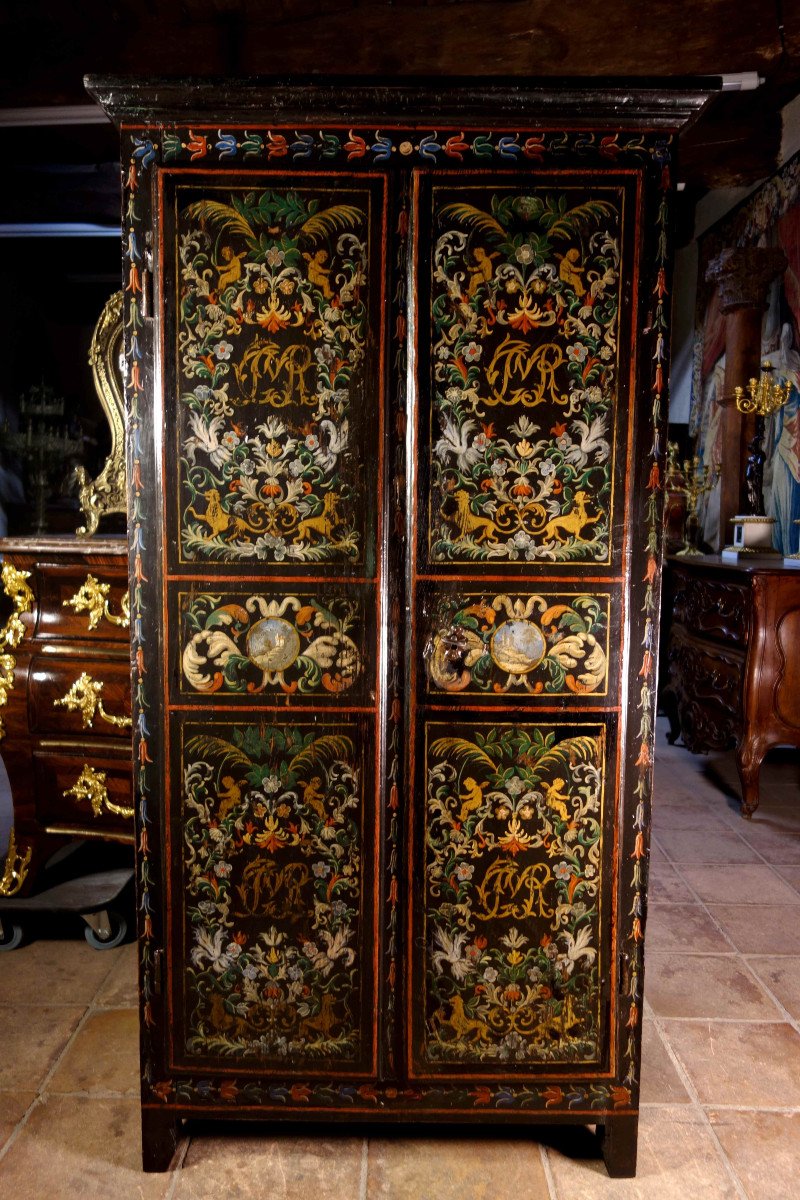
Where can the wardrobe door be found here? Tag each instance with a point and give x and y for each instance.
(525, 301)
(273, 606)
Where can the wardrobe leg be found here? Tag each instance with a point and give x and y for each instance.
(619, 1142)
(159, 1139)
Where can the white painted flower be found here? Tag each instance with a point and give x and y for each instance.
(267, 545)
(577, 352)
(524, 427)
(223, 350)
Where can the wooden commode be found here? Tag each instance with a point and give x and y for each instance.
(65, 692)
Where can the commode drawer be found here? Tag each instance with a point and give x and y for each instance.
(69, 695)
(83, 789)
(78, 602)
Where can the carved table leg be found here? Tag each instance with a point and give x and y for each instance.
(159, 1139)
(619, 1143)
(749, 756)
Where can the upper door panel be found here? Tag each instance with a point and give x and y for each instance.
(528, 350)
(273, 371)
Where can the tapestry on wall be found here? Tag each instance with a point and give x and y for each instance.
(769, 217)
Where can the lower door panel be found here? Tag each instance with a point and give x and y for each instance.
(511, 923)
(273, 911)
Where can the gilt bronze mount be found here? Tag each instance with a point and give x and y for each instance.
(106, 494)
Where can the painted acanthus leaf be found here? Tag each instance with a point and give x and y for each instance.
(212, 647)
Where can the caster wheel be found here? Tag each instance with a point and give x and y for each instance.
(11, 935)
(119, 928)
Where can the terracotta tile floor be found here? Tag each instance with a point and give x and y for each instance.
(721, 1069)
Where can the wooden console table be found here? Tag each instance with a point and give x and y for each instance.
(732, 666)
(64, 697)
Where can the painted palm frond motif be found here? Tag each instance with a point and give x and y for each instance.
(567, 753)
(217, 751)
(468, 214)
(525, 308)
(330, 220)
(562, 223)
(322, 751)
(285, 214)
(224, 216)
(461, 749)
(513, 833)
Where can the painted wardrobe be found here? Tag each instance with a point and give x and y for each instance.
(396, 370)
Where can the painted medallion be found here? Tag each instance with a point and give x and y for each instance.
(526, 644)
(274, 643)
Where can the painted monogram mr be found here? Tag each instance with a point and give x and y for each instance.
(272, 334)
(524, 308)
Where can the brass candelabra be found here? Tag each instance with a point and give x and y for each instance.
(763, 397)
(691, 480)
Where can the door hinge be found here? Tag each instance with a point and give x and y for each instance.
(158, 972)
(147, 280)
(624, 973)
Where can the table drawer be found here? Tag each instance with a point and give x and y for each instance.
(68, 695)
